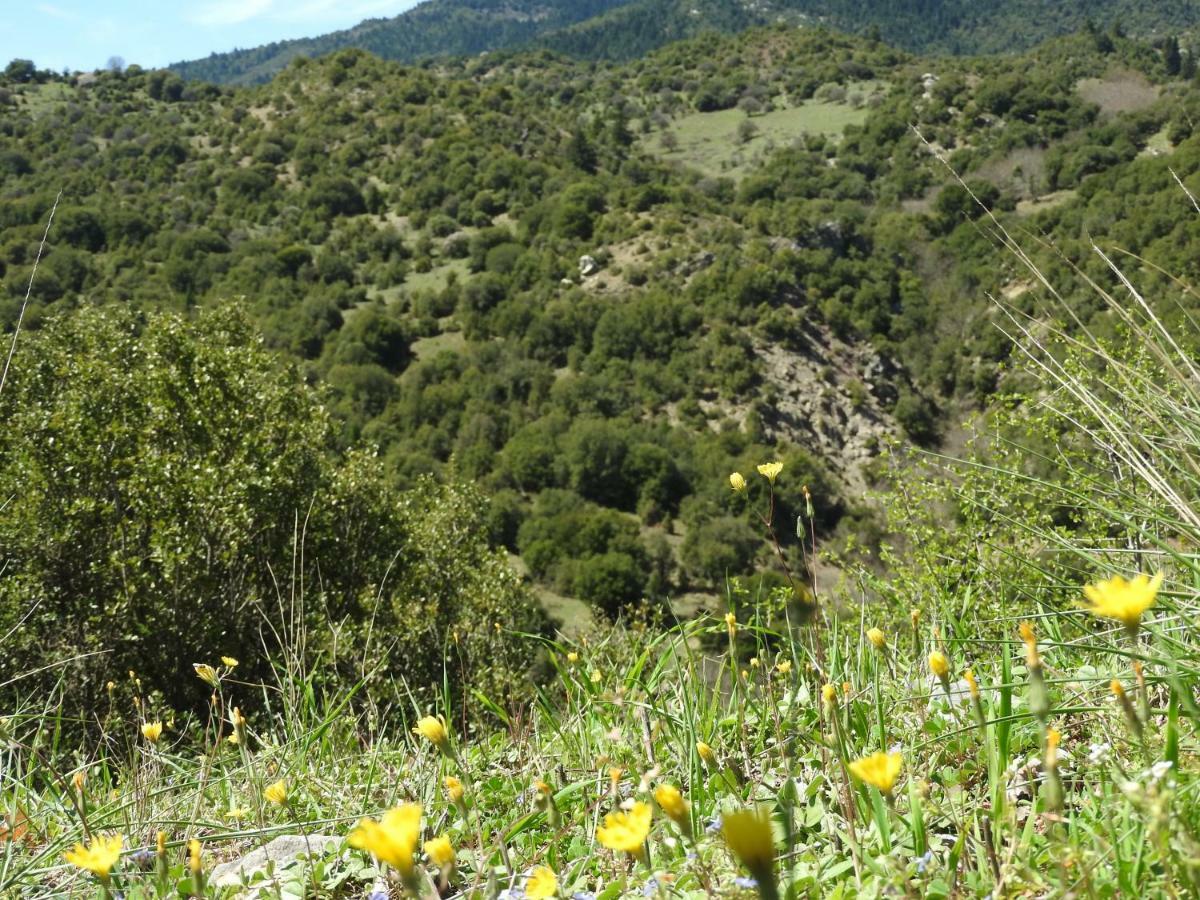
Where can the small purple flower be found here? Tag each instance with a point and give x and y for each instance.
(924, 861)
(583, 895)
(714, 826)
(749, 884)
(377, 895)
(650, 888)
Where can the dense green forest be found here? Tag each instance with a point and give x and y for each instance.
(627, 29)
(537, 275)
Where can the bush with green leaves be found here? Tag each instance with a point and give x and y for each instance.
(172, 492)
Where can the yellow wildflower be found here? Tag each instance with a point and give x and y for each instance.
(572, 657)
(626, 832)
(829, 695)
(440, 851)
(152, 731)
(595, 677)
(731, 623)
(160, 844)
(99, 856)
(737, 482)
(706, 753)
(238, 812)
(748, 834)
(877, 638)
(229, 661)
(454, 789)
(541, 884)
(392, 840)
(915, 615)
(277, 793)
(78, 780)
(939, 664)
(195, 862)
(1053, 738)
(432, 730)
(207, 674)
(770, 470)
(783, 666)
(1123, 600)
(879, 770)
(671, 801)
(1117, 689)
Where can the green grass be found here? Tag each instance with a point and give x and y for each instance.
(435, 278)
(709, 141)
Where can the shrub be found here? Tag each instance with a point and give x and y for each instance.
(162, 474)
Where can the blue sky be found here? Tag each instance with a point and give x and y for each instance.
(83, 34)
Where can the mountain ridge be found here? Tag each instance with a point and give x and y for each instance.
(626, 29)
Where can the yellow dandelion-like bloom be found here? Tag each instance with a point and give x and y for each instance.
(1117, 688)
(1025, 629)
(939, 664)
(99, 856)
(152, 731)
(877, 638)
(277, 793)
(238, 812)
(706, 753)
(1123, 600)
(207, 674)
(433, 730)
(393, 840)
(160, 844)
(731, 623)
(626, 832)
(454, 789)
(748, 834)
(440, 851)
(737, 482)
(829, 695)
(195, 860)
(572, 657)
(542, 883)
(229, 661)
(770, 471)
(594, 678)
(879, 770)
(671, 802)
(783, 666)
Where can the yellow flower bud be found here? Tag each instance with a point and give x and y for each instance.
(939, 664)
(737, 482)
(877, 638)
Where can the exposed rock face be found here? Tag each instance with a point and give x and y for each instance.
(588, 266)
(833, 399)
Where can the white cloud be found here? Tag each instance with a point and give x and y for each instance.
(341, 10)
(55, 13)
(230, 12)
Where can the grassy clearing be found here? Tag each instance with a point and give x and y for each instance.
(710, 143)
(436, 278)
(1118, 92)
(429, 347)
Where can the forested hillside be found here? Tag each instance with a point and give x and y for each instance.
(622, 30)
(596, 289)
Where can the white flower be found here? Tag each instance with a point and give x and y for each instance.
(1098, 753)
